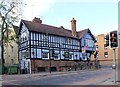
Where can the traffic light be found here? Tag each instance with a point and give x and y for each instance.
(113, 39)
(107, 40)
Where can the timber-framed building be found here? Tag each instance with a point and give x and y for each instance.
(44, 47)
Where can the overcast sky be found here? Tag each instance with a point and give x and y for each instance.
(100, 16)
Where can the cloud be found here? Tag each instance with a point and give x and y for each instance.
(34, 8)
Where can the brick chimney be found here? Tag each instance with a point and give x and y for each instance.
(38, 20)
(73, 26)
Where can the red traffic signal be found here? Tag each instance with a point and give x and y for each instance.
(113, 39)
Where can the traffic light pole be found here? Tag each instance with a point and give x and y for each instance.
(50, 65)
(114, 45)
(114, 65)
(50, 60)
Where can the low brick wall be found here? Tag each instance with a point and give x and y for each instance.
(107, 63)
(65, 65)
(60, 65)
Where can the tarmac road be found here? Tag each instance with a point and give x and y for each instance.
(82, 77)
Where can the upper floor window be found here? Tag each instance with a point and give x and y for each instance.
(85, 42)
(88, 42)
(105, 47)
(25, 38)
(96, 39)
(96, 47)
(106, 54)
(97, 56)
(105, 39)
(44, 37)
(69, 40)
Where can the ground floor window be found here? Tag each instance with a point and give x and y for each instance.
(45, 55)
(70, 55)
(84, 56)
(66, 54)
(56, 55)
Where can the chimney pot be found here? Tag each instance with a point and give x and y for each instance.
(62, 27)
(73, 26)
(38, 20)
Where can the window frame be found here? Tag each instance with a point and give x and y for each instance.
(47, 54)
(105, 55)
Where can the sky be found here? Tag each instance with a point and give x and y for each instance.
(100, 16)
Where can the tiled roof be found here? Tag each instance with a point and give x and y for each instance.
(81, 33)
(38, 27)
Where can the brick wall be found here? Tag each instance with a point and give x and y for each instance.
(59, 64)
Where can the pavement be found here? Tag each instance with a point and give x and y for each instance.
(25, 76)
(103, 80)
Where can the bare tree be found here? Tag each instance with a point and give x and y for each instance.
(10, 12)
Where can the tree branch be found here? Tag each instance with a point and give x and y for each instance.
(9, 11)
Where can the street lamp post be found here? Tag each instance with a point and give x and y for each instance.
(50, 64)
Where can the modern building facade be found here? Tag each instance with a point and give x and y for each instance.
(104, 53)
(44, 47)
(11, 51)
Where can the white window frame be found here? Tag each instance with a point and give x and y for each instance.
(58, 58)
(45, 51)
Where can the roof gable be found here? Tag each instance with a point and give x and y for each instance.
(83, 33)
